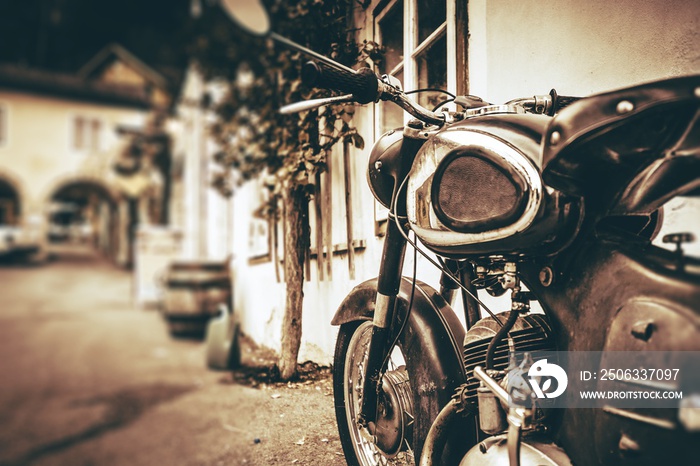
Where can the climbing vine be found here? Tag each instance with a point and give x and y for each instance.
(288, 150)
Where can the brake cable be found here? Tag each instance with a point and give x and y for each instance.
(445, 271)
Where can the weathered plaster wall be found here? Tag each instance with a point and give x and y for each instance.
(522, 48)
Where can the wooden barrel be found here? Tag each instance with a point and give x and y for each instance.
(193, 292)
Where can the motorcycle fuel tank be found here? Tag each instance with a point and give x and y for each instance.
(475, 188)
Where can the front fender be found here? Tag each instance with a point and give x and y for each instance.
(431, 316)
(432, 345)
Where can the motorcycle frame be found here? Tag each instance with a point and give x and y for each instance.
(579, 291)
(575, 293)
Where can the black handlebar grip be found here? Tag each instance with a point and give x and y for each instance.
(361, 84)
(560, 101)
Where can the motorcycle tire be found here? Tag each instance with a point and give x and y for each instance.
(347, 365)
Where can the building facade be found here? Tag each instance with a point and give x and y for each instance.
(496, 49)
(60, 138)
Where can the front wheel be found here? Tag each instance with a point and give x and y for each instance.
(396, 418)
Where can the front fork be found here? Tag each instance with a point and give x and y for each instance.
(389, 280)
(384, 311)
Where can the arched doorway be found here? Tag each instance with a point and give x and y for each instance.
(10, 205)
(82, 216)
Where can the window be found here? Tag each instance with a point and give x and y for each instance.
(259, 229)
(3, 124)
(418, 37)
(87, 134)
(79, 133)
(430, 51)
(389, 32)
(95, 132)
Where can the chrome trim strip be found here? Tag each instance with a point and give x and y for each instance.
(490, 109)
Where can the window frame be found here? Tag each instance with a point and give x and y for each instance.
(260, 231)
(456, 70)
(412, 48)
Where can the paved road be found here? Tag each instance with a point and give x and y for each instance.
(86, 379)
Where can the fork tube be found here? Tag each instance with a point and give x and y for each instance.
(447, 285)
(389, 279)
(387, 290)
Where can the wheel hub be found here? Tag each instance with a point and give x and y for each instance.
(394, 427)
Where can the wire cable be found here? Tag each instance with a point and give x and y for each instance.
(444, 102)
(430, 89)
(431, 260)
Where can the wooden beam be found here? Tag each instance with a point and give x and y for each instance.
(328, 216)
(319, 227)
(348, 207)
(462, 50)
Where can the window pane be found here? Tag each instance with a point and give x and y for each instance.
(432, 72)
(79, 133)
(391, 37)
(431, 14)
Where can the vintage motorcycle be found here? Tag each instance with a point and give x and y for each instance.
(552, 199)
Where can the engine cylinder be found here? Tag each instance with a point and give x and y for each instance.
(531, 333)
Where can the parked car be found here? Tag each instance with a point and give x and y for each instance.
(16, 240)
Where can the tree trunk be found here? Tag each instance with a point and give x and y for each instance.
(296, 244)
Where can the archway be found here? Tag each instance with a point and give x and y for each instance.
(82, 216)
(10, 204)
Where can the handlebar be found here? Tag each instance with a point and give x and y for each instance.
(362, 84)
(549, 104)
(561, 101)
(366, 87)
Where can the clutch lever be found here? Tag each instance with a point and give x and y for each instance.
(314, 103)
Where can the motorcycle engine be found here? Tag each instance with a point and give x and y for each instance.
(531, 333)
(532, 337)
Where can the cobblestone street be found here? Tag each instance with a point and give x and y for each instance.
(88, 379)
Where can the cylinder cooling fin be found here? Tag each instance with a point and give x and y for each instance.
(531, 333)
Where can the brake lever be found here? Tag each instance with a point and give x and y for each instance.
(314, 103)
(390, 90)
